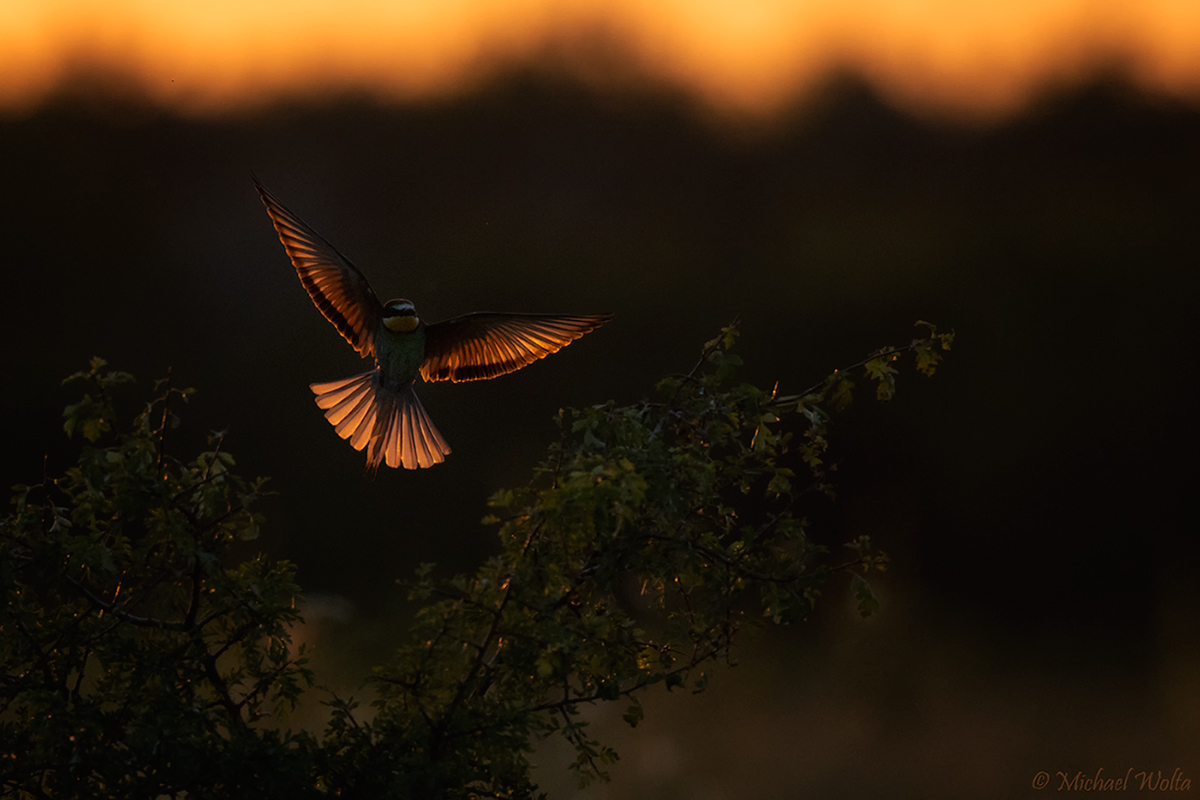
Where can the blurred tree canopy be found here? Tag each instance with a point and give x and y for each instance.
(142, 657)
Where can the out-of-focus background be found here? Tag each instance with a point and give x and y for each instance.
(1026, 172)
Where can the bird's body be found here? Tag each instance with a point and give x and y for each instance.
(400, 350)
(378, 410)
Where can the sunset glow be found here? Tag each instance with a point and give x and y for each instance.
(978, 57)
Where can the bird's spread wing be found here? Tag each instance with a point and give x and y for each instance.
(335, 285)
(475, 347)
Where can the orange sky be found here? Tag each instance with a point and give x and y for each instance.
(979, 57)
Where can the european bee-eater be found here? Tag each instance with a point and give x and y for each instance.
(378, 409)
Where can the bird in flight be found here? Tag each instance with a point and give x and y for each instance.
(378, 410)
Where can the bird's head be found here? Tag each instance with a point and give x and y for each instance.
(400, 316)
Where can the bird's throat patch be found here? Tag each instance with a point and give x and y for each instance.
(401, 324)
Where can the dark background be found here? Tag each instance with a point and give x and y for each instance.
(1036, 495)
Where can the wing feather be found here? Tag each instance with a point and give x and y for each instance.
(337, 288)
(479, 346)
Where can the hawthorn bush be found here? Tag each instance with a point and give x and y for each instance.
(141, 658)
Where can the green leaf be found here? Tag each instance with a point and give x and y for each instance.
(88, 417)
(880, 370)
(867, 604)
(842, 392)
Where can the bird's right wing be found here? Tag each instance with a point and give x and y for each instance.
(337, 288)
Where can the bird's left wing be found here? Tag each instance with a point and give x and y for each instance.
(337, 288)
(475, 347)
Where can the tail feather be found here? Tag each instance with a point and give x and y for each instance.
(409, 451)
(392, 426)
(352, 421)
(351, 406)
(427, 442)
(365, 431)
(334, 392)
(347, 407)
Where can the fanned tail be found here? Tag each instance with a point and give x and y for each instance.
(392, 426)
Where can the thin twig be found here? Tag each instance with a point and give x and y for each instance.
(894, 352)
(120, 613)
(162, 428)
